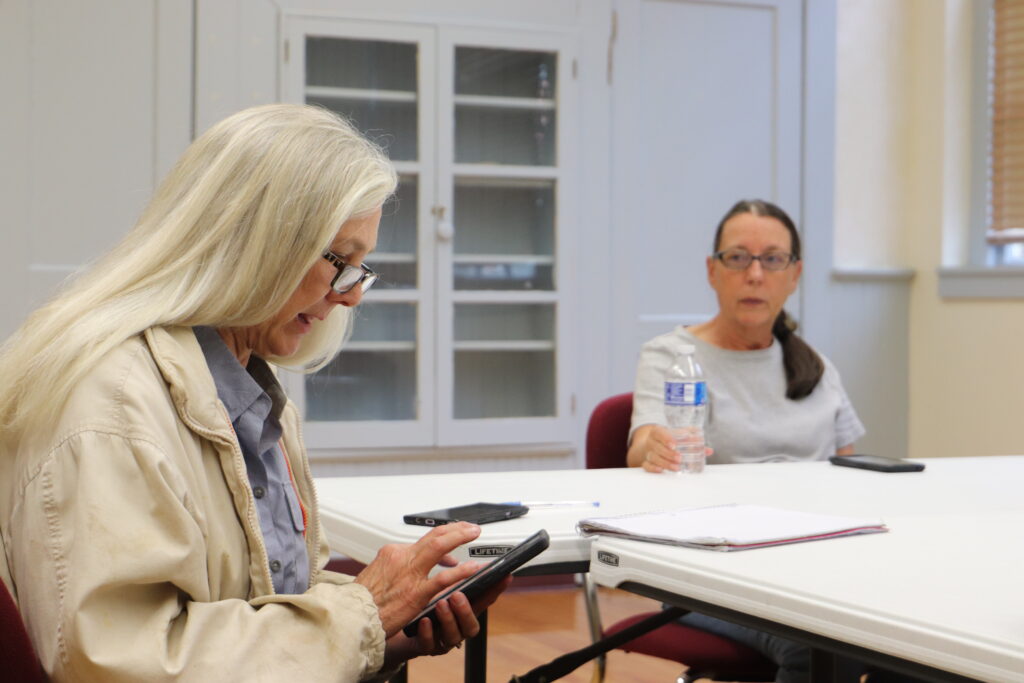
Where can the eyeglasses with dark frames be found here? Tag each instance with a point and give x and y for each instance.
(350, 276)
(740, 259)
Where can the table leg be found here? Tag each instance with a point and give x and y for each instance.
(476, 653)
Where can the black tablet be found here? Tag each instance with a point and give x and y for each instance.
(477, 513)
(477, 584)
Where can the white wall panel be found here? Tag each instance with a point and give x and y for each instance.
(236, 58)
(15, 158)
(871, 350)
(706, 110)
(97, 103)
(92, 152)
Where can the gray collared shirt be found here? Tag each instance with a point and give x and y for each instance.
(254, 401)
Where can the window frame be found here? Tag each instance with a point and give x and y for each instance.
(979, 253)
(982, 276)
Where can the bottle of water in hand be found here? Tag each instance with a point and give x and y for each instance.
(686, 404)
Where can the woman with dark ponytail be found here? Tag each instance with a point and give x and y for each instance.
(772, 398)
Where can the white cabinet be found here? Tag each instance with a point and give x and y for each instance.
(464, 339)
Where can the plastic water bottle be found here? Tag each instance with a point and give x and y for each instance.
(686, 406)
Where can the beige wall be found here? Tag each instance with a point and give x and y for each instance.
(902, 199)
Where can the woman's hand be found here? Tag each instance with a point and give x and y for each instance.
(653, 448)
(456, 622)
(399, 581)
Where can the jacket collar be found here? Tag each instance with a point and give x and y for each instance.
(183, 366)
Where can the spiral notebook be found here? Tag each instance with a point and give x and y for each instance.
(729, 527)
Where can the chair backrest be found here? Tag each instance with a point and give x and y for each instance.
(608, 431)
(18, 660)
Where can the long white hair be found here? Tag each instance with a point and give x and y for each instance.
(227, 238)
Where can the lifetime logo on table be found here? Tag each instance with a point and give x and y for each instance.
(489, 550)
(605, 557)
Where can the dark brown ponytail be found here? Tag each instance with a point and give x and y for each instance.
(803, 365)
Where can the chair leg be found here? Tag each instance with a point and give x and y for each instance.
(594, 623)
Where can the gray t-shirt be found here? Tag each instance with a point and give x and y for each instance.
(749, 417)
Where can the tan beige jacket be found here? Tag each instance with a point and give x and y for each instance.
(134, 548)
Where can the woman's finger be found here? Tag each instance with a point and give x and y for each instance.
(449, 633)
(446, 578)
(650, 465)
(399, 577)
(426, 640)
(448, 561)
(435, 546)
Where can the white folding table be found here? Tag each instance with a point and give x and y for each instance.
(941, 589)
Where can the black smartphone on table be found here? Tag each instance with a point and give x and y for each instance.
(877, 463)
(481, 581)
(477, 513)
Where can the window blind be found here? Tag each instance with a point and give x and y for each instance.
(1007, 141)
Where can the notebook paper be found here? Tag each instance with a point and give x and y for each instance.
(729, 527)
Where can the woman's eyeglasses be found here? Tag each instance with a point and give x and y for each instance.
(740, 259)
(350, 276)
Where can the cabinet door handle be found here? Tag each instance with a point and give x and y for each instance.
(445, 231)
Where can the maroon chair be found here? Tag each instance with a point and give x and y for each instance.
(18, 660)
(705, 654)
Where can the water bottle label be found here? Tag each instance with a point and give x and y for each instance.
(686, 393)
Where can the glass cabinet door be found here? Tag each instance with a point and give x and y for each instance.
(373, 78)
(502, 309)
(371, 82)
(459, 342)
(505, 106)
(504, 242)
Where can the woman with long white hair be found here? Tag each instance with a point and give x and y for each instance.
(157, 510)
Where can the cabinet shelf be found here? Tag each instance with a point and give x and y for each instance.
(390, 257)
(504, 183)
(481, 345)
(542, 259)
(380, 346)
(407, 169)
(518, 171)
(361, 94)
(503, 345)
(468, 296)
(497, 102)
(394, 296)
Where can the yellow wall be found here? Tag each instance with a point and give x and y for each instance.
(873, 71)
(905, 169)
